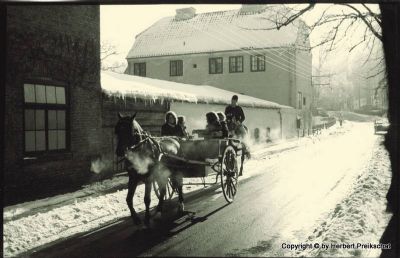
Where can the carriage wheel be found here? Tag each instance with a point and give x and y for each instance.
(169, 191)
(229, 174)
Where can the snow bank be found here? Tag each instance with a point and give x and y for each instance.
(361, 216)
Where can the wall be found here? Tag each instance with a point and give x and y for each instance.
(273, 84)
(255, 117)
(52, 45)
(289, 116)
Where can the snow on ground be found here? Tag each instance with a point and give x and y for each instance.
(33, 224)
(361, 216)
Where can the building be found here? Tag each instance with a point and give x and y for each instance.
(53, 121)
(232, 50)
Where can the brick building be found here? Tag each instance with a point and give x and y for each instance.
(53, 121)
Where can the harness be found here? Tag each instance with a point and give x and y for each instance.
(155, 146)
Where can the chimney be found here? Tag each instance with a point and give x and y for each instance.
(185, 13)
(252, 8)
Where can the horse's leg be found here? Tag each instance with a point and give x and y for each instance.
(162, 190)
(178, 184)
(147, 200)
(132, 184)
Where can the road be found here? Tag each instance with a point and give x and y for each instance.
(283, 202)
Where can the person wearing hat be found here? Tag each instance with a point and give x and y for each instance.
(224, 126)
(234, 110)
(181, 127)
(169, 128)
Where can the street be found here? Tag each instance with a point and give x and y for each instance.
(295, 197)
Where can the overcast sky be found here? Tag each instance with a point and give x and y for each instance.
(121, 23)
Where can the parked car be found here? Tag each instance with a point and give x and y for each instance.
(381, 126)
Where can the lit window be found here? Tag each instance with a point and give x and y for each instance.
(236, 64)
(45, 115)
(176, 68)
(257, 63)
(215, 65)
(299, 100)
(139, 69)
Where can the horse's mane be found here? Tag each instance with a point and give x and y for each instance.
(136, 126)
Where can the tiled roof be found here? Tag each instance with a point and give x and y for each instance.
(115, 84)
(214, 31)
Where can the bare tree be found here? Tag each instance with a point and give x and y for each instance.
(339, 24)
(108, 50)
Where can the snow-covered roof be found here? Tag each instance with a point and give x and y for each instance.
(115, 84)
(213, 31)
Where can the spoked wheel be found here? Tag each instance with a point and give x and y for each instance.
(229, 174)
(169, 191)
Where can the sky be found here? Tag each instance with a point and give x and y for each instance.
(119, 24)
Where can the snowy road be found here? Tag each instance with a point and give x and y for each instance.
(332, 190)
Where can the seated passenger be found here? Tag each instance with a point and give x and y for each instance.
(213, 128)
(181, 127)
(169, 128)
(224, 125)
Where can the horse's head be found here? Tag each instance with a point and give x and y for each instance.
(128, 132)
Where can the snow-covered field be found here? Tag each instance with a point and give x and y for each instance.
(33, 224)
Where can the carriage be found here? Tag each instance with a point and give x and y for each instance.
(200, 158)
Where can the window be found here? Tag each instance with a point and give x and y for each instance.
(139, 69)
(176, 68)
(304, 101)
(257, 63)
(299, 100)
(215, 65)
(45, 112)
(236, 64)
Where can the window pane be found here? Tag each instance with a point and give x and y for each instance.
(136, 69)
(39, 119)
(232, 64)
(52, 119)
(30, 141)
(51, 94)
(61, 139)
(29, 119)
(60, 93)
(40, 141)
(180, 63)
(219, 65)
(173, 68)
(60, 119)
(262, 63)
(29, 93)
(52, 139)
(253, 63)
(40, 94)
(212, 66)
(239, 64)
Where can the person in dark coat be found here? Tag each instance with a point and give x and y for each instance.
(169, 128)
(234, 110)
(181, 127)
(224, 125)
(213, 128)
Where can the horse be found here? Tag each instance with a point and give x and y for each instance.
(142, 154)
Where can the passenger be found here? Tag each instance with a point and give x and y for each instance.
(181, 127)
(213, 128)
(169, 128)
(224, 125)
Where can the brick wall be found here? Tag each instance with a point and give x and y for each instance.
(54, 44)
